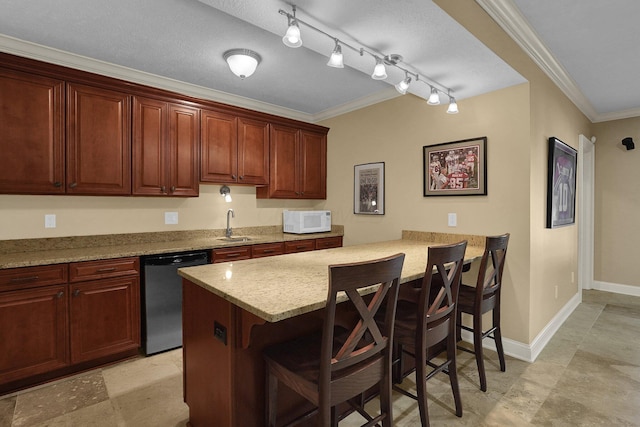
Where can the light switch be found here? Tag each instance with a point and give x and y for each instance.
(453, 220)
(50, 221)
(171, 217)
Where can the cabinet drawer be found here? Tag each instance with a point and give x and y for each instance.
(267, 249)
(231, 254)
(329, 242)
(30, 277)
(91, 270)
(299, 246)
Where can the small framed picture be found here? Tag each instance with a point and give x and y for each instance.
(561, 184)
(368, 194)
(457, 168)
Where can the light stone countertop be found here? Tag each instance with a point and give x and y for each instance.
(35, 252)
(277, 288)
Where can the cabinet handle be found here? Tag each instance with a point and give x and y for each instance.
(173, 189)
(57, 184)
(106, 269)
(24, 279)
(232, 255)
(297, 193)
(241, 176)
(268, 251)
(59, 294)
(73, 185)
(233, 177)
(163, 189)
(76, 292)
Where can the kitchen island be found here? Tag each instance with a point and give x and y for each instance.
(232, 311)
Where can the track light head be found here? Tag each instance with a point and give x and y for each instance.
(379, 72)
(403, 85)
(434, 98)
(336, 59)
(453, 106)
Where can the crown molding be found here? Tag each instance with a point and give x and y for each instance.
(506, 14)
(381, 96)
(66, 59)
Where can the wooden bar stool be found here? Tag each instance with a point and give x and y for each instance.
(350, 355)
(426, 324)
(484, 297)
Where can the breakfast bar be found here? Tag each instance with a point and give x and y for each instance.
(232, 311)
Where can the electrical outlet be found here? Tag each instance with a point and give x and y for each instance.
(452, 219)
(50, 221)
(171, 217)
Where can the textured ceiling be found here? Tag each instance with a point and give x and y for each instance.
(589, 47)
(184, 40)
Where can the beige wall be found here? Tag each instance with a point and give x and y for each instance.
(617, 203)
(394, 132)
(22, 217)
(553, 253)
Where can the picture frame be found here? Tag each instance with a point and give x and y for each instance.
(457, 168)
(561, 184)
(368, 194)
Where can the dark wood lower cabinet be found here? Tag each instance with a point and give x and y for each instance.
(55, 323)
(105, 318)
(34, 331)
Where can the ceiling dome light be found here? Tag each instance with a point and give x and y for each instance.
(453, 106)
(403, 85)
(379, 72)
(336, 59)
(434, 98)
(242, 62)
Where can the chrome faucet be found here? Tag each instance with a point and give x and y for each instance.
(229, 230)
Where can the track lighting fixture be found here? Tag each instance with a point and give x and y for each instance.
(379, 71)
(434, 98)
(293, 39)
(336, 60)
(402, 86)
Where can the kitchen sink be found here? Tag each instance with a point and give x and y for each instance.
(235, 239)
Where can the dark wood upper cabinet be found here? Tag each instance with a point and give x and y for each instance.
(31, 134)
(98, 141)
(235, 150)
(298, 164)
(165, 148)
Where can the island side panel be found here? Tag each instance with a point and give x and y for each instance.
(207, 362)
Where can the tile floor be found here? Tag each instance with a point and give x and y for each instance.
(588, 375)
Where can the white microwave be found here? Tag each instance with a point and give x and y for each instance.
(301, 222)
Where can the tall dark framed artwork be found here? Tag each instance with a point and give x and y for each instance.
(561, 184)
(368, 191)
(457, 168)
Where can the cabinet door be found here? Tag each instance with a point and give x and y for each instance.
(33, 336)
(253, 152)
(150, 131)
(31, 134)
(219, 147)
(98, 141)
(313, 165)
(284, 152)
(184, 134)
(105, 317)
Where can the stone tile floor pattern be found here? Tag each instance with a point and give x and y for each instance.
(587, 375)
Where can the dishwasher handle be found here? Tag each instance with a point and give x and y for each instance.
(177, 259)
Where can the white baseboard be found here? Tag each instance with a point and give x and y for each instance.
(529, 352)
(616, 288)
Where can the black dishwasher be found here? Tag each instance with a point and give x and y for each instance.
(162, 297)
